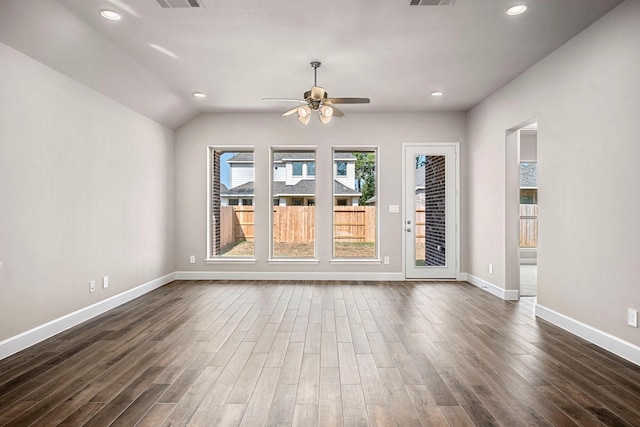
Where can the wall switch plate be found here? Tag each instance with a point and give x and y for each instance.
(192, 259)
(632, 317)
(105, 282)
(490, 268)
(394, 208)
(386, 260)
(92, 286)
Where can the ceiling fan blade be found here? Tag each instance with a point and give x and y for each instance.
(317, 93)
(337, 112)
(289, 112)
(301, 101)
(348, 101)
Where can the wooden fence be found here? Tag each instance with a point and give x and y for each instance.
(236, 224)
(528, 226)
(296, 224)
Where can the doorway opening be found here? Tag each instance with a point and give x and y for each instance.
(522, 209)
(528, 211)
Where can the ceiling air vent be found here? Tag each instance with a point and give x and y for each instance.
(178, 3)
(431, 2)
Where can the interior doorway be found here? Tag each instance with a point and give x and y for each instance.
(521, 244)
(528, 210)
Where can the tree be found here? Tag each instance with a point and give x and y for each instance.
(365, 175)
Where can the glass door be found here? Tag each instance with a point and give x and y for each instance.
(430, 211)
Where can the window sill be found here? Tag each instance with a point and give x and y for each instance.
(292, 261)
(230, 260)
(355, 261)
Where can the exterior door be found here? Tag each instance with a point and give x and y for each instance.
(430, 211)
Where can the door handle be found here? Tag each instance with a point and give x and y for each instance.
(408, 230)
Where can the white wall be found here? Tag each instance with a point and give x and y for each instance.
(86, 190)
(528, 145)
(387, 131)
(586, 98)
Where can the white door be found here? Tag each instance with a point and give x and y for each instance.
(430, 211)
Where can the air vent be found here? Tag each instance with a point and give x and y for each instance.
(431, 2)
(178, 3)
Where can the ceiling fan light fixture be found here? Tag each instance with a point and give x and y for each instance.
(325, 119)
(326, 111)
(304, 111)
(304, 119)
(516, 9)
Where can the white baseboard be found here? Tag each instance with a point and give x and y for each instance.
(615, 345)
(285, 275)
(40, 333)
(505, 294)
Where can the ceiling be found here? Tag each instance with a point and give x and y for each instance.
(237, 52)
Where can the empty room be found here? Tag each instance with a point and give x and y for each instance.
(389, 213)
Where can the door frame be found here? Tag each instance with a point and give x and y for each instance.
(426, 145)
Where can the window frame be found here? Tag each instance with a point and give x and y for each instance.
(354, 260)
(209, 257)
(280, 259)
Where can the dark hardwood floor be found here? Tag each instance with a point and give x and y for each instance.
(307, 353)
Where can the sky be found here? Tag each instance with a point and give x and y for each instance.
(224, 168)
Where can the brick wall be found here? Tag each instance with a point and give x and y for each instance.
(215, 203)
(435, 200)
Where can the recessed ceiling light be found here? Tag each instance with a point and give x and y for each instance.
(517, 9)
(199, 95)
(437, 93)
(110, 14)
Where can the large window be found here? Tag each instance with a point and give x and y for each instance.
(293, 216)
(354, 204)
(231, 210)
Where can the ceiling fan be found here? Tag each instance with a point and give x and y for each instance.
(316, 99)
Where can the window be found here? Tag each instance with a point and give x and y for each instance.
(297, 168)
(311, 168)
(230, 220)
(293, 218)
(354, 212)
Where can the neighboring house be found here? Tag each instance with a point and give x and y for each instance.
(294, 180)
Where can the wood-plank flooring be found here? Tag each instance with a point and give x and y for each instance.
(254, 353)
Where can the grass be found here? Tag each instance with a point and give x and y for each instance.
(301, 250)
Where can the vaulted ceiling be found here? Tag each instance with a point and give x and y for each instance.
(238, 52)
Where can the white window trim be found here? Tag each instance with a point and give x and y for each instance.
(376, 259)
(224, 148)
(289, 260)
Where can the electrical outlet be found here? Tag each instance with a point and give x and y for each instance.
(386, 260)
(490, 268)
(632, 317)
(92, 286)
(105, 282)
(192, 259)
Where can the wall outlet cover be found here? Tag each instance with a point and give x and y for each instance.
(632, 317)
